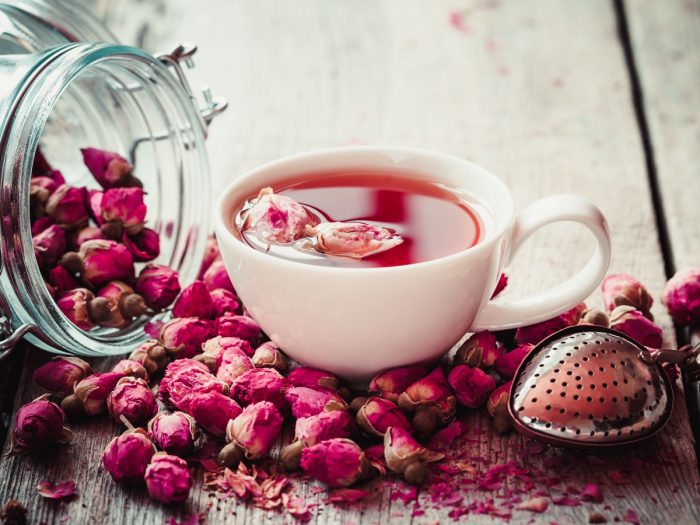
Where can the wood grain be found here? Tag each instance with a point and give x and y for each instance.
(536, 91)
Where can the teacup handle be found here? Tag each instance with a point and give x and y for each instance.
(500, 315)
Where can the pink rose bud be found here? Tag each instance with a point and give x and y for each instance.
(391, 383)
(405, 456)
(144, 246)
(174, 433)
(62, 280)
(238, 326)
(123, 209)
(535, 333)
(573, 315)
(500, 285)
(41, 166)
(116, 305)
(217, 346)
(472, 386)
(260, 384)
(185, 377)
(127, 456)
(38, 424)
(508, 363)
(277, 218)
(131, 368)
(224, 302)
(633, 323)
(624, 290)
(353, 239)
(74, 305)
(337, 462)
(183, 337)
(41, 224)
(314, 429)
(49, 245)
(481, 350)
(67, 207)
(269, 355)
(232, 362)
(89, 233)
(307, 402)
(252, 433)
(313, 378)
(100, 262)
(378, 414)
(194, 301)
(40, 188)
(497, 406)
(158, 285)
(110, 170)
(431, 401)
(133, 400)
(89, 396)
(216, 276)
(94, 206)
(59, 375)
(595, 317)
(682, 297)
(168, 479)
(211, 254)
(151, 355)
(213, 411)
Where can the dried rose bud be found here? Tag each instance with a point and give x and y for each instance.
(101, 261)
(49, 245)
(622, 289)
(151, 355)
(62, 280)
(307, 402)
(633, 323)
(252, 433)
(127, 456)
(119, 305)
(183, 337)
(573, 315)
(224, 302)
(133, 400)
(390, 384)
(682, 297)
(431, 401)
(40, 188)
(216, 276)
(218, 345)
(337, 462)
(94, 206)
(59, 375)
(144, 246)
(194, 301)
(595, 317)
(353, 239)
(67, 207)
(74, 305)
(500, 285)
(472, 386)
(41, 166)
(89, 233)
(131, 368)
(213, 411)
(174, 433)
(313, 378)
(269, 355)
(378, 414)
(38, 424)
(480, 350)
(185, 377)
(167, 478)
(89, 396)
(314, 429)
(535, 333)
(40, 224)
(405, 456)
(507, 365)
(260, 384)
(238, 326)
(277, 218)
(211, 254)
(123, 209)
(232, 362)
(110, 170)
(158, 285)
(497, 406)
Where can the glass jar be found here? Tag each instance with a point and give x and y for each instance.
(59, 91)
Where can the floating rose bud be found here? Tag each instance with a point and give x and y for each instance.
(40, 224)
(194, 301)
(624, 290)
(89, 233)
(123, 209)
(216, 276)
(378, 414)
(535, 333)
(122, 305)
(633, 323)
(158, 285)
(238, 326)
(49, 245)
(133, 400)
(213, 411)
(67, 207)
(500, 285)
(110, 169)
(59, 375)
(260, 384)
(390, 384)
(131, 368)
(224, 302)
(74, 305)
(431, 401)
(277, 218)
(62, 280)
(144, 246)
(313, 378)
(101, 261)
(174, 433)
(56, 491)
(472, 386)
(307, 402)
(481, 350)
(405, 456)
(183, 337)
(508, 363)
(497, 406)
(167, 478)
(38, 424)
(314, 429)
(682, 297)
(89, 396)
(151, 355)
(337, 462)
(353, 239)
(184, 378)
(127, 456)
(269, 355)
(252, 433)
(595, 317)
(211, 254)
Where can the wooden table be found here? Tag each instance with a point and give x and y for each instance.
(594, 97)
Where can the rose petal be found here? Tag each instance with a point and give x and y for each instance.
(60, 490)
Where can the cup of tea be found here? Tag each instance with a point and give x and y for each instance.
(411, 303)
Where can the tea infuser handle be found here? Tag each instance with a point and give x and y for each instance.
(499, 314)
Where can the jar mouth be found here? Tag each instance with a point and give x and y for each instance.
(120, 99)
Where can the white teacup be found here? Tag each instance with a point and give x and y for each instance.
(356, 322)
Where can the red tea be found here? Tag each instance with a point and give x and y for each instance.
(433, 221)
